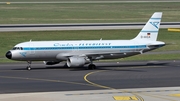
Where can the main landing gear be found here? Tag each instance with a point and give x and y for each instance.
(29, 65)
(92, 66)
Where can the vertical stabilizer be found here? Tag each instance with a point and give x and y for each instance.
(150, 30)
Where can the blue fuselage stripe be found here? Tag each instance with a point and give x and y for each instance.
(156, 18)
(149, 31)
(84, 47)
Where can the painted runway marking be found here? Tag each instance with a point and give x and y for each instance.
(106, 87)
(101, 86)
(176, 95)
(133, 93)
(47, 80)
(125, 98)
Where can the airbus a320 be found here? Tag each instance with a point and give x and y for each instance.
(79, 53)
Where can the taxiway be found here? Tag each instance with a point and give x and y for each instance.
(139, 80)
(109, 75)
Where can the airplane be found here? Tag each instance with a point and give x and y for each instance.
(78, 53)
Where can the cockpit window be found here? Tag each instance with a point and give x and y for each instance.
(17, 48)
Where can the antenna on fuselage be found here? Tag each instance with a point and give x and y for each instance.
(30, 40)
(101, 39)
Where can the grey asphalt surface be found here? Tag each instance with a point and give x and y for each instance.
(79, 26)
(14, 78)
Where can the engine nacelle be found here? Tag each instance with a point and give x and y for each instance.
(50, 62)
(76, 61)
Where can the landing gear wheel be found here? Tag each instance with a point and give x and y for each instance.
(28, 68)
(29, 65)
(92, 66)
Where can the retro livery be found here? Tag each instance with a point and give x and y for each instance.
(79, 53)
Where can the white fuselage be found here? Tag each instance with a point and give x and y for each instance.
(61, 50)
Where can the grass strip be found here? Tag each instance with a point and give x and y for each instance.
(87, 13)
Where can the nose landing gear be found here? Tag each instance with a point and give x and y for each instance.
(29, 65)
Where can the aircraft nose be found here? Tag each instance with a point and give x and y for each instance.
(9, 55)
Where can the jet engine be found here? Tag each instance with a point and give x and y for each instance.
(76, 61)
(50, 62)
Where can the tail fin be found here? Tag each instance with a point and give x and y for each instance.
(150, 30)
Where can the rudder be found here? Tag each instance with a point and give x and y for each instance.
(150, 30)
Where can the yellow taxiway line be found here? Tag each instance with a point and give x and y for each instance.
(135, 97)
(174, 29)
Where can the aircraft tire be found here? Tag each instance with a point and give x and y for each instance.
(92, 66)
(28, 68)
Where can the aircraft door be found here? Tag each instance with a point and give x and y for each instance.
(75, 47)
(31, 48)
